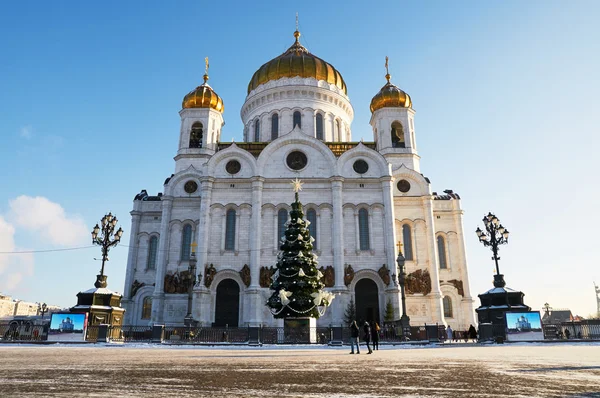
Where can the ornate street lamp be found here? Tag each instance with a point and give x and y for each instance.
(494, 235)
(43, 308)
(105, 237)
(404, 319)
(191, 282)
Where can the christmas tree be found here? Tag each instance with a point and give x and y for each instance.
(297, 283)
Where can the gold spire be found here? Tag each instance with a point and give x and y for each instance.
(387, 72)
(205, 69)
(297, 32)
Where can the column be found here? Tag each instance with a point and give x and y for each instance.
(253, 293)
(203, 233)
(256, 231)
(132, 255)
(163, 248)
(337, 231)
(436, 293)
(467, 299)
(201, 298)
(389, 229)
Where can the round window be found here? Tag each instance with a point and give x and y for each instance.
(296, 160)
(190, 186)
(233, 167)
(361, 167)
(403, 186)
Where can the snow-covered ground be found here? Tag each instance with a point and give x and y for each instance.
(515, 370)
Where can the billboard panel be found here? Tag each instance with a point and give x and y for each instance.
(67, 327)
(524, 326)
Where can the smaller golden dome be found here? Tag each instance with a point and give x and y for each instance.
(203, 96)
(390, 96)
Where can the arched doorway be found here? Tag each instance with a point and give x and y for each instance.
(367, 300)
(227, 307)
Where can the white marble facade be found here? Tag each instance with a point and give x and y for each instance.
(360, 215)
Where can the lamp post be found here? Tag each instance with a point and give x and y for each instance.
(494, 235)
(43, 309)
(404, 319)
(189, 318)
(107, 239)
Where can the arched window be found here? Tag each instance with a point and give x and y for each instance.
(407, 241)
(274, 126)
(147, 308)
(196, 135)
(447, 302)
(230, 230)
(398, 135)
(152, 249)
(319, 126)
(186, 241)
(442, 252)
(257, 131)
(311, 216)
(297, 119)
(363, 229)
(338, 131)
(282, 216)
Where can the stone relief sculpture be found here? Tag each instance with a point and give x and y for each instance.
(209, 274)
(176, 282)
(418, 282)
(458, 284)
(265, 276)
(384, 274)
(328, 275)
(136, 285)
(348, 274)
(245, 275)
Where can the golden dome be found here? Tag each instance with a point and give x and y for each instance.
(203, 96)
(297, 61)
(391, 96)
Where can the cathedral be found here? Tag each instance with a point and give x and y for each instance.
(226, 206)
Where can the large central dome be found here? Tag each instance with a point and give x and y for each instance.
(297, 61)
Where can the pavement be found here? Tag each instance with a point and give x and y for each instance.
(461, 370)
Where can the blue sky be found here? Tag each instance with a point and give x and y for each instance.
(505, 94)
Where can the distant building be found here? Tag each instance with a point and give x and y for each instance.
(553, 316)
(66, 325)
(10, 308)
(523, 324)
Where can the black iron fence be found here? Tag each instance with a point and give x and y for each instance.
(389, 333)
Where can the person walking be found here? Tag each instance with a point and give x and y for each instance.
(367, 336)
(449, 334)
(354, 331)
(375, 335)
(472, 333)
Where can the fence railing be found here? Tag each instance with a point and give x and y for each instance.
(391, 333)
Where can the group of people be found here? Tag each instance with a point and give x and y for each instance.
(470, 334)
(370, 336)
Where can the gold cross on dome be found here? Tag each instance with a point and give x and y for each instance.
(386, 64)
(206, 66)
(297, 185)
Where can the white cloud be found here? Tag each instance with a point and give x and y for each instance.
(43, 216)
(13, 267)
(26, 132)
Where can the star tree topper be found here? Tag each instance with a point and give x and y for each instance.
(297, 185)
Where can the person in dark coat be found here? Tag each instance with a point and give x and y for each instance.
(354, 331)
(472, 333)
(367, 336)
(375, 334)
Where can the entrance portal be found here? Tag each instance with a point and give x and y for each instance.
(227, 307)
(367, 301)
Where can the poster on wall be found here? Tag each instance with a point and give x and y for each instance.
(67, 327)
(524, 326)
